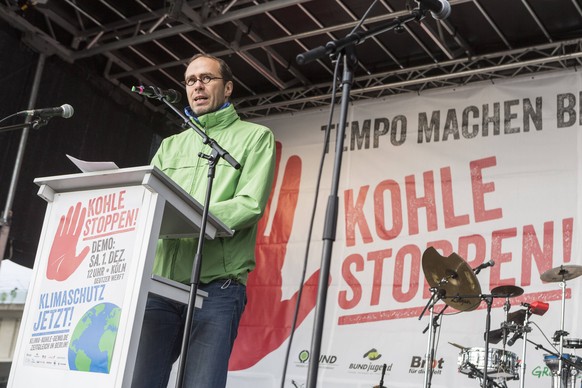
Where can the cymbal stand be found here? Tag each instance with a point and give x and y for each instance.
(526, 329)
(506, 307)
(561, 333)
(432, 326)
(489, 301)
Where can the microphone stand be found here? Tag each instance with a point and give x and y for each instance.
(489, 301)
(6, 215)
(345, 46)
(216, 153)
(526, 329)
(381, 385)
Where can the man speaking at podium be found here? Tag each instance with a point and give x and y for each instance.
(238, 199)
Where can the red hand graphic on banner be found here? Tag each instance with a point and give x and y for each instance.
(266, 322)
(63, 259)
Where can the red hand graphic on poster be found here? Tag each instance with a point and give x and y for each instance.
(266, 322)
(63, 259)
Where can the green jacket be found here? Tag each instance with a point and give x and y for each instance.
(238, 197)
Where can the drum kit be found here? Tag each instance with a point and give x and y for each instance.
(454, 282)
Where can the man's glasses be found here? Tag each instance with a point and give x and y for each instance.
(205, 79)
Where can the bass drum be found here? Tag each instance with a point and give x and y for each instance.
(500, 363)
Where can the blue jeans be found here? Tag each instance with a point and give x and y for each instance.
(214, 329)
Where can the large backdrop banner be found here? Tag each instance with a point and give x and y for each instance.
(489, 171)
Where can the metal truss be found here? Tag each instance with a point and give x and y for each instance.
(454, 73)
(149, 42)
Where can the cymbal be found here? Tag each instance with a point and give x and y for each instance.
(453, 277)
(507, 291)
(561, 273)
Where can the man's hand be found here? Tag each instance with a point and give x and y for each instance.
(266, 322)
(63, 259)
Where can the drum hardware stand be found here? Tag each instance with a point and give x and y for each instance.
(437, 294)
(526, 329)
(559, 336)
(561, 333)
(505, 327)
(452, 280)
(489, 301)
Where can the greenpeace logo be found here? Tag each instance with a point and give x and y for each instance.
(541, 371)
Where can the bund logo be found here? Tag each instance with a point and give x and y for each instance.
(369, 367)
(325, 361)
(303, 356)
(372, 355)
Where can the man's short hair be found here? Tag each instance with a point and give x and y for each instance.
(225, 71)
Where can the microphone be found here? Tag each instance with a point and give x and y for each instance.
(170, 95)
(65, 111)
(490, 263)
(515, 337)
(439, 9)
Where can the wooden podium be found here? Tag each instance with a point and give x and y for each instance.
(92, 275)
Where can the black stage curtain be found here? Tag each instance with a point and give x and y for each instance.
(107, 125)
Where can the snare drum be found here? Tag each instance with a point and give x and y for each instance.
(500, 363)
(573, 343)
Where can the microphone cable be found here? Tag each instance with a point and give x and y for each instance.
(10, 116)
(546, 337)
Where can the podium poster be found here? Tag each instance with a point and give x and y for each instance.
(76, 301)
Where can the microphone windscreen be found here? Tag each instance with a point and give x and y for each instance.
(173, 96)
(68, 111)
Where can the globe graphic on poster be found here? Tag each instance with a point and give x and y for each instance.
(92, 342)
